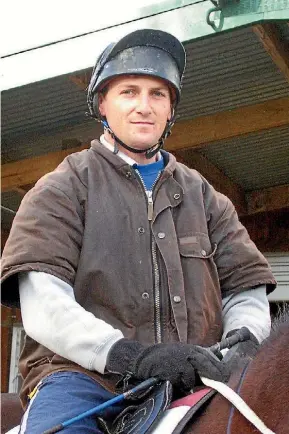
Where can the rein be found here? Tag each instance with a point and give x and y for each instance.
(237, 402)
(238, 391)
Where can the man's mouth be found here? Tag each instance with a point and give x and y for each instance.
(142, 123)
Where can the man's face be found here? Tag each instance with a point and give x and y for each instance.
(137, 109)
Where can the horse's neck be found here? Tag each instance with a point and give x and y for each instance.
(265, 389)
(215, 417)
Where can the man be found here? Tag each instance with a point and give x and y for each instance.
(123, 259)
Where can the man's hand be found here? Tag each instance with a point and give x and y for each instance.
(176, 363)
(164, 361)
(208, 365)
(181, 364)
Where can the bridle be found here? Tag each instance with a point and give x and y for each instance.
(237, 402)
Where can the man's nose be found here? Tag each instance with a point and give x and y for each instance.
(144, 104)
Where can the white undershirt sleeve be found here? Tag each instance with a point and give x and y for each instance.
(52, 317)
(250, 309)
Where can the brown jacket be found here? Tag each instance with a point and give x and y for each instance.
(87, 223)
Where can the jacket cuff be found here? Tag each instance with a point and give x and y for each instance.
(121, 355)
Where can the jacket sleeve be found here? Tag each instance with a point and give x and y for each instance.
(46, 234)
(240, 264)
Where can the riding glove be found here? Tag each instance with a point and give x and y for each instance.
(173, 362)
(164, 361)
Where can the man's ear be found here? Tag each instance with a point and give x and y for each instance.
(171, 112)
(101, 105)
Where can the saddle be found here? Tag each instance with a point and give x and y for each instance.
(156, 414)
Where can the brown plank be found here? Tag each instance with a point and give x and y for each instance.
(81, 79)
(274, 45)
(269, 231)
(28, 171)
(269, 199)
(202, 131)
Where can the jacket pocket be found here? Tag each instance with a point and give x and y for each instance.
(196, 246)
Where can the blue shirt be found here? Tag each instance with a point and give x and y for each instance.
(150, 172)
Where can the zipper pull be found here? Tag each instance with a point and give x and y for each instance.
(150, 205)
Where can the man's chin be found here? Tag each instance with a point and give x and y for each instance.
(142, 143)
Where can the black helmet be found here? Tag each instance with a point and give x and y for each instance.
(143, 52)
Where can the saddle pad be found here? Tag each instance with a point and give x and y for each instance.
(14, 430)
(181, 411)
(142, 418)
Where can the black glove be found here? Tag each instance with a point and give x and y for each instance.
(241, 352)
(164, 361)
(208, 365)
(176, 363)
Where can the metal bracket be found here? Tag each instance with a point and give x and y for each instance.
(219, 5)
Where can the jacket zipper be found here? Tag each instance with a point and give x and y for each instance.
(156, 272)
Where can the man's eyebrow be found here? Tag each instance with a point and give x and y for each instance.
(131, 85)
(162, 88)
(128, 85)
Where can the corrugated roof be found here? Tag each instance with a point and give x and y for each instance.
(254, 161)
(228, 72)
(223, 72)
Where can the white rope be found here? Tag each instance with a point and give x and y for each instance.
(239, 403)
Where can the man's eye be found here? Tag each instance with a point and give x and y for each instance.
(128, 91)
(159, 93)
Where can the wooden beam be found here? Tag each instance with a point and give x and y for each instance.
(273, 44)
(20, 190)
(188, 134)
(215, 177)
(204, 130)
(269, 199)
(28, 171)
(81, 80)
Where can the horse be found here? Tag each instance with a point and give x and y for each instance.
(11, 411)
(264, 386)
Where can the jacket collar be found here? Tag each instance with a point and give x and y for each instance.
(120, 164)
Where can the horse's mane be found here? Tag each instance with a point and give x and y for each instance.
(281, 318)
(279, 331)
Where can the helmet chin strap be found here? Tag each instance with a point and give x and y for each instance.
(149, 152)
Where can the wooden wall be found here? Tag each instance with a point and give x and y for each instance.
(269, 231)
